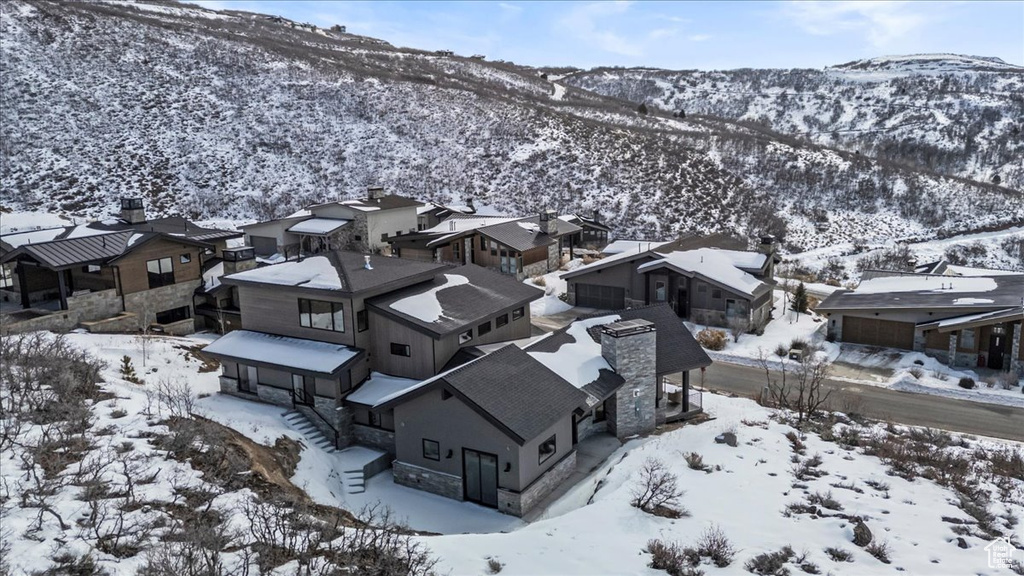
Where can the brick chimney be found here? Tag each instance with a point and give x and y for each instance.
(549, 222)
(375, 192)
(239, 259)
(629, 348)
(132, 210)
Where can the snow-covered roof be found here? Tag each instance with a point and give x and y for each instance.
(425, 305)
(609, 260)
(311, 272)
(634, 246)
(380, 387)
(297, 353)
(935, 284)
(914, 291)
(463, 224)
(18, 239)
(318, 226)
(716, 265)
(211, 278)
(578, 363)
(744, 258)
(993, 317)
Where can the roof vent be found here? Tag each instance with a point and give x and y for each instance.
(367, 264)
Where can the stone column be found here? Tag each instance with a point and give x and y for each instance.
(629, 348)
(1016, 362)
(952, 349)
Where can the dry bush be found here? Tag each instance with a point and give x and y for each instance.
(824, 500)
(714, 544)
(695, 461)
(711, 339)
(880, 550)
(539, 281)
(770, 563)
(839, 555)
(738, 326)
(494, 566)
(674, 559)
(657, 490)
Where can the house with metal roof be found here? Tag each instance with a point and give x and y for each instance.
(520, 247)
(968, 321)
(120, 274)
(704, 284)
(361, 224)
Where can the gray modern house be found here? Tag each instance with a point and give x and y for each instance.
(965, 321)
(706, 285)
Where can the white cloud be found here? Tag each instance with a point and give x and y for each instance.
(699, 37)
(587, 23)
(882, 23)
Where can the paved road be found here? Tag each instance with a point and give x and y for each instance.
(885, 404)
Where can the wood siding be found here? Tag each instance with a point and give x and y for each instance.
(877, 332)
(384, 331)
(275, 310)
(134, 275)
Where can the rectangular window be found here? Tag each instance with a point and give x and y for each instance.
(161, 272)
(457, 250)
(401, 349)
(518, 313)
(716, 294)
(660, 291)
(465, 336)
(173, 315)
(362, 321)
(702, 288)
(186, 258)
(483, 243)
(431, 449)
(967, 339)
(6, 276)
(546, 450)
(321, 315)
(384, 237)
(501, 320)
(483, 328)
(91, 269)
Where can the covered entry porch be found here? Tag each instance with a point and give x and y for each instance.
(989, 340)
(677, 399)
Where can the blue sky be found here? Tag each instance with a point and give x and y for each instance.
(675, 35)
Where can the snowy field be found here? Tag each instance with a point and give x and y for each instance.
(593, 529)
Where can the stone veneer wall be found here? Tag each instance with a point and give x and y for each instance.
(273, 395)
(554, 258)
(374, 438)
(587, 428)
(428, 480)
(519, 503)
(148, 302)
(1016, 362)
(535, 269)
(84, 308)
(338, 417)
(632, 357)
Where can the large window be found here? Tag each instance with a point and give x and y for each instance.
(483, 328)
(546, 450)
(660, 291)
(362, 321)
(173, 315)
(321, 315)
(161, 272)
(501, 320)
(967, 339)
(431, 449)
(400, 349)
(6, 275)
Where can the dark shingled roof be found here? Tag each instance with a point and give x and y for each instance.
(466, 305)
(1008, 292)
(75, 251)
(516, 392)
(677, 349)
(171, 225)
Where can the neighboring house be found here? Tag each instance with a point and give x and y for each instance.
(593, 235)
(122, 274)
(501, 429)
(704, 285)
(216, 304)
(964, 321)
(363, 225)
(521, 247)
(431, 214)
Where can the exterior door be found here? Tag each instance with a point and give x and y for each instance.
(247, 378)
(683, 303)
(480, 477)
(996, 345)
(303, 387)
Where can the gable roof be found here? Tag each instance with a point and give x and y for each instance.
(917, 291)
(456, 299)
(339, 270)
(516, 393)
(90, 249)
(677, 350)
(271, 350)
(176, 226)
(520, 234)
(722, 267)
(972, 320)
(388, 202)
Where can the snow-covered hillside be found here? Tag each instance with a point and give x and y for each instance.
(947, 113)
(237, 115)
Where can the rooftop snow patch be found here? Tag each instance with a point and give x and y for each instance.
(714, 264)
(312, 272)
(426, 306)
(379, 387)
(634, 246)
(580, 362)
(318, 226)
(932, 284)
(297, 353)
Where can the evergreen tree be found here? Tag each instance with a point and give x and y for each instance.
(642, 109)
(799, 303)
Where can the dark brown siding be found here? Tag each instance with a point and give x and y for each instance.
(134, 276)
(384, 331)
(275, 310)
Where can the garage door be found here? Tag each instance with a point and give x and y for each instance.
(875, 332)
(263, 246)
(602, 297)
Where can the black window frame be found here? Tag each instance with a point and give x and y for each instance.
(501, 320)
(362, 320)
(335, 309)
(541, 456)
(466, 336)
(483, 243)
(437, 447)
(717, 291)
(161, 277)
(664, 295)
(518, 313)
(483, 328)
(404, 350)
(174, 315)
(185, 258)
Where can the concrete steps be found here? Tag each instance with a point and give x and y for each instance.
(302, 425)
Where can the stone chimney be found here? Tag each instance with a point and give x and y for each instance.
(629, 348)
(549, 222)
(768, 247)
(596, 216)
(375, 192)
(239, 259)
(132, 210)
(470, 205)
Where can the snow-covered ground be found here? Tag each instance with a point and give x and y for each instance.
(24, 221)
(592, 529)
(554, 286)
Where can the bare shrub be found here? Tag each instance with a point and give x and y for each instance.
(175, 398)
(881, 550)
(68, 564)
(657, 490)
(824, 500)
(738, 326)
(695, 461)
(672, 558)
(539, 281)
(493, 566)
(711, 339)
(801, 390)
(839, 554)
(916, 372)
(714, 544)
(770, 563)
